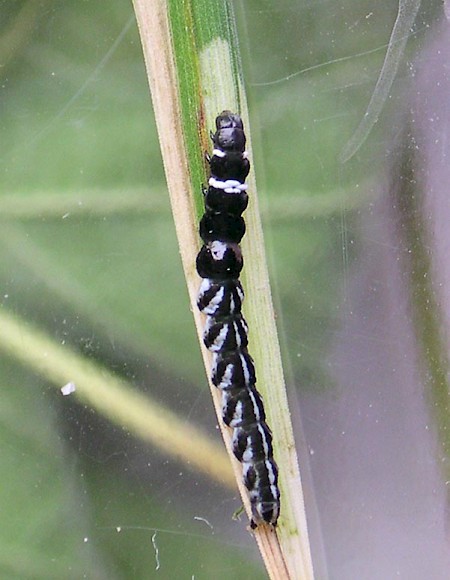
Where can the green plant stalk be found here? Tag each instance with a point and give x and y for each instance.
(290, 208)
(112, 397)
(409, 193)
(193, 68)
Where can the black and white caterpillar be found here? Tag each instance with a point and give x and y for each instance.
(219, 263)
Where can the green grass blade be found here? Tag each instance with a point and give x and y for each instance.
(193, 66)
(111, 396)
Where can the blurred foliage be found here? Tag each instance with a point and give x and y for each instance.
(75, 116)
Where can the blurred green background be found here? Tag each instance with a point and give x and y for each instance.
(89, 256)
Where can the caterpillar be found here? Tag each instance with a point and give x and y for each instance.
(220, 298)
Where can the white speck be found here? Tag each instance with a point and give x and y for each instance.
(199, 519)
(68, 389)
(118, 529)
(85, 540)
(156, 551)
(218, 250)
(66, 215)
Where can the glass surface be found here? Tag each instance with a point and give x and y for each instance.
(360, 269)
